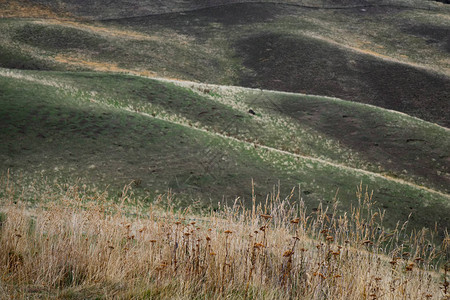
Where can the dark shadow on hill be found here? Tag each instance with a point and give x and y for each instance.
(434, 35)
(306, 65)
(402, 150)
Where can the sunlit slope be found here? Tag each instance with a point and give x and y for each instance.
(340, 132)
(114, 129)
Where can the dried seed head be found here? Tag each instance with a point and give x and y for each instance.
(330, 238)
(208, 238)
(288, 253)
(266, 217)
(152, 241)
(228, 231)
(258, 245)
(295, 221)
(177, 222)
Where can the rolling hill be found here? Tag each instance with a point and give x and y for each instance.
(117, 129)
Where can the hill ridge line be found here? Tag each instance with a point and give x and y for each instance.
(379, 56)
(322, 161)
(325, 162)
(189, 84)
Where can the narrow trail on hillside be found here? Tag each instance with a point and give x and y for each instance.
(187, 84)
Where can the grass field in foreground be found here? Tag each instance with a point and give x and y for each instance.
(75, 243)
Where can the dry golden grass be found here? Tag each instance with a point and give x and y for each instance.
(27, 9)
(100, 30)
(76, 243)
(100, 66)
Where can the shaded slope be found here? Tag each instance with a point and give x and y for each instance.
(302, 64)
(392, 144)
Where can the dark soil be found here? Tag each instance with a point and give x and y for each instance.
(305, 65)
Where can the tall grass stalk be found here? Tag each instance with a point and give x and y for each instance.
(77, 243)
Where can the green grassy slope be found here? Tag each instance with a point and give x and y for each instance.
(113, 129)
(339, 132)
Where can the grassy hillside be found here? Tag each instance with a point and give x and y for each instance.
(115, 129)
(319, 52)
(370, 54)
